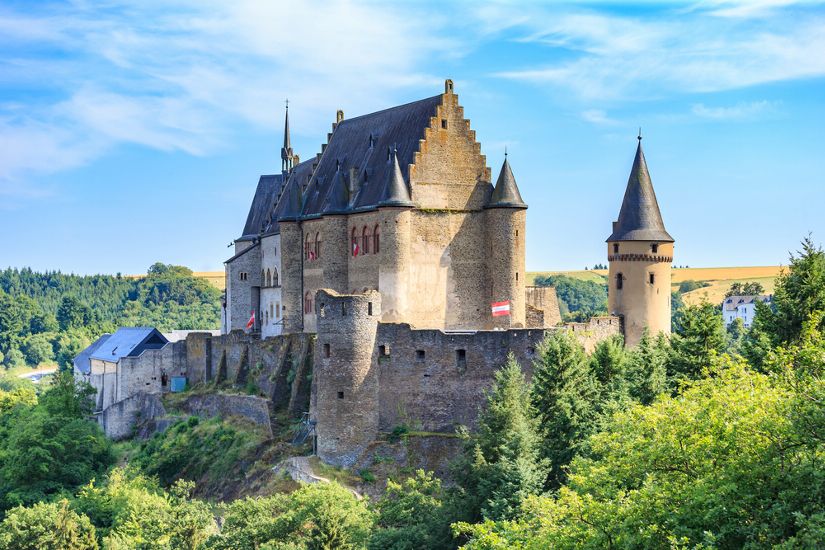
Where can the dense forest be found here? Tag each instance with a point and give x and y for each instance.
(50, 317)
(707, 439)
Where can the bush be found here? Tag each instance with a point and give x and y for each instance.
(38, 350)
(47, 526)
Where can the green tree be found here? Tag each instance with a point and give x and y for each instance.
(578, 299)
(46, 526)
(415, 513)
(38, 349)
(608, 362)
(646, 369)
(72, 313)
(736, 289)
(322, 516)
(502, 463)
(699, 336)
(564, 397)
(753, 288)
(15, 316)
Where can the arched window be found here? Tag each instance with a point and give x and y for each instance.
(317, 245)
(354, 243)
(306, 247)
(619, 280)
(308, 303)
(277, 310)
(365, 239)
(376, 239)
(268, 278)
(263, 278)
(271, 311)
(274, 277)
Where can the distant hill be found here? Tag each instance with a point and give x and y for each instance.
(718, 279)
(215, 278)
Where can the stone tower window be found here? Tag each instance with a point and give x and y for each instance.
(306, 247)
(340, 395)
(274, 277)
(317, 245)
(365, 240)
(243, 276)
(654, 248)
(326, 350)
(268, 278)
(420, 355)
(619, 281)
(354, 242)
(444, 123)
(376, 239)
(461, 359)
(369, 308)
(516, 275)
(308, 303)
(651, 278)
(615, 248)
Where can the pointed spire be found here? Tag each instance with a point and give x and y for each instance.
(639, 218)
(287, 157)
(506, 193)
(337, 201)
(396, 192)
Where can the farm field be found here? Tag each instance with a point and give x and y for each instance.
(216, 278)
(719, 279)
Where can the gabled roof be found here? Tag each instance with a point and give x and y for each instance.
(291, 202)
(506, 193)
(732, 302)
(81, 362)
(242, 252)
(128, 341)
(267, 192)
(396, 192)
(639, 217)
(365, 143)
(337, 201)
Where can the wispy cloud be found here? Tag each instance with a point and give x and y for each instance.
(605, 56)
(740, 111)
(181, 76)
(598, 116)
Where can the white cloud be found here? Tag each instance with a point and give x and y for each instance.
(740, 111)
(598, 116)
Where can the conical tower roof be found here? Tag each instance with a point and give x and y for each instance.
(291, 202)
(639, 218)
(506, 193)
(337, 201)
(396, 192)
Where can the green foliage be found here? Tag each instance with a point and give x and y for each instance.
(699, 336)
(578, 299)
(37, 349)
(192, 449)
(750, 288)
(687, 286)
(323, 516)
(564, 396)
(47, 526)
(49, 447)
(131, 511)
(733, 462)
(413, 514)
(72, 314)
(503, 463)
(646, 368)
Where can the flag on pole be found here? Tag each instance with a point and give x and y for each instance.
(251, 322)
(355, 249)
(500, 308)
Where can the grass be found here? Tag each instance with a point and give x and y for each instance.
(715, 293)
(342, 476)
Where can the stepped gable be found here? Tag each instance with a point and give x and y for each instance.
(506, 193)
(267, 192)
(366, 143)
(639, 217)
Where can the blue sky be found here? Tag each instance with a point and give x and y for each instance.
(136, 133)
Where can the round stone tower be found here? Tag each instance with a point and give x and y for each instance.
(346, 374)
(640, 254)
(506, 215)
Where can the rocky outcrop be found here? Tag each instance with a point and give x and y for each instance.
(132, 416)
(249, 407)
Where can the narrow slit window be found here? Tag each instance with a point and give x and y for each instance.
(326, 350)
(340, 395)
(444, 123)
(654, 248)
(619, 281)
(651, 278)
(615, 248)
(369, 308)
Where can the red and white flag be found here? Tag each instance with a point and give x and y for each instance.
(251, 322)
(312, 255)
(500, 308)
(355, 249)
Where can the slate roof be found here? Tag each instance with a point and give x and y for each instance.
(732, 302)
(81, 362)
(267, 192)
(291, 203)
(506, 193)
(639, 217)
(366, 144)
(125, 342)
(396, 191)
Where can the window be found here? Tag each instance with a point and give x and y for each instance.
(271, 311)
(326, 350)
(365, 240)
(615, 248)
(516, 275)
(354, 243)
(369, 308)
(651, 278)
(277, 310)
(308, 303)
(376, 243)
(306, 247)
(461, 358)
(340, 395)
(317, 245)
(420, 355)
(654, 248)
(243, 275)
(444, 123)
(263, 278)
(383, 350)
(268, 278)
(619, 281)
(274, 277)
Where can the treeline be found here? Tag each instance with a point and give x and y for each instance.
(50, 317)
(578, 299)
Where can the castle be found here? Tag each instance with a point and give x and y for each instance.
(386, 275)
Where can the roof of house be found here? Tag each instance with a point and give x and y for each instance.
(124, 342)
(732, 302)
(639, 217)
(506, 193)
(266, 194)
(363, 146)
(81, 362)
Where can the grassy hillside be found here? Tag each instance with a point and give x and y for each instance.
(718, 279)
